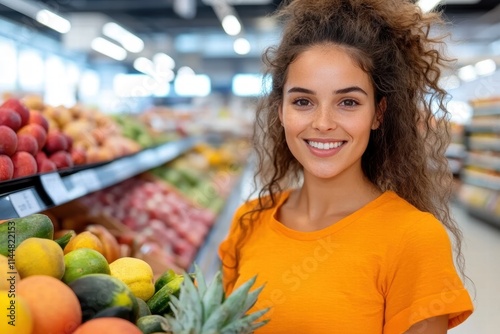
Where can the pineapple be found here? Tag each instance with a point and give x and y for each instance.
(203, 309)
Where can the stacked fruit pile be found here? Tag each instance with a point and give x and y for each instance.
(29, 146)
(71, 285)
(163, 222)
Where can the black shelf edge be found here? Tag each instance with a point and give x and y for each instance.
(25, 196)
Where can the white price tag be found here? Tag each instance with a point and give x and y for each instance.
(90, 179)
(25, 203)
(55, 188)
(87, 179)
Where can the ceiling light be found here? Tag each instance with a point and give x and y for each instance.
(231, 25)
(486, 67)
(428, 5)
(128, 40)
(185, 70)
(144, 65)
(241, 46)
(53, 21)
(109, 49)
(40, 13)
(163, 61)
(467, 73)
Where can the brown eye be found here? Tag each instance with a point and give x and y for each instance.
(349, 103)
(301, 102)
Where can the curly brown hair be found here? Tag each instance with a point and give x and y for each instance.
(392, 41)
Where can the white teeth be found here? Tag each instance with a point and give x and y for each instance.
(325, 146)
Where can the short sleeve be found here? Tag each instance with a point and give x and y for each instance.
(422, 281)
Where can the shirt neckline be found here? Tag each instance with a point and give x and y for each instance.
(276, 225)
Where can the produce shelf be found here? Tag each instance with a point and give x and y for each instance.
(483, 161)
(25, 196)
(479, 179)
(487, 111)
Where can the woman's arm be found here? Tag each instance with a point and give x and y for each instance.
(435, 325)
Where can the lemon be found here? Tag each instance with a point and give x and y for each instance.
(38, 256)
(16, 315)
(84, 261)
(8, 274)
(136, 274)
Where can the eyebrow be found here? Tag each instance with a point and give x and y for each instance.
(339, 91)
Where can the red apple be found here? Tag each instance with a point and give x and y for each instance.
(24, 164)
(27, 143)
(62, 159)
(70, 141)
(46, 165)
(36, 117)
(56, 141)
(10, 118)
(18, 107)
(6, 168)
(8, 140)
(36, 131)
(78, 156)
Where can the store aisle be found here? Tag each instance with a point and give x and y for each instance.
(482, 255)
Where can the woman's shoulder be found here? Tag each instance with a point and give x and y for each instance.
(262, 203)
(400, 214)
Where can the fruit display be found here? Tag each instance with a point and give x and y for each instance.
(29, 146)
(91, 295)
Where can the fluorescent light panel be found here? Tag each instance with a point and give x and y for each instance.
(128, 40)
(53, 21)
(241, 46)
(109, 49)
(231, 25)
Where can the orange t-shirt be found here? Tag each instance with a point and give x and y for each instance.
(382, 269)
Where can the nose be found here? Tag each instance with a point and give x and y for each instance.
(324, 119)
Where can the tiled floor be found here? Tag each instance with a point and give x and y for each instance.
(482, 255)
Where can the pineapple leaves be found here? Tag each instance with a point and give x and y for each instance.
(202, 309)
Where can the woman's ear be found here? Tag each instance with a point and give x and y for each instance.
(379, 113)
(280, 113)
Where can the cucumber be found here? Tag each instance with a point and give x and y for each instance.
(159, 303)
(151, 324)
(16, 230)
(143, 308)
(166, 277)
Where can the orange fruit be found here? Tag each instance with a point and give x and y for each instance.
(38, 256)
(16, 313)
(84, 239)
(53, 305)
(108, 326)
(84, 261)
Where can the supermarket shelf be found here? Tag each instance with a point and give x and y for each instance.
(456, 151)
(481, 180)
(483, 161)
(487, 111)
(207, 257)
(484, 144)
(482, 214)
(483, 128)
(20, 198)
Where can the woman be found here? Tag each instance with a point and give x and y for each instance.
(349, 231)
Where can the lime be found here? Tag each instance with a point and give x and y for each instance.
(84, 261)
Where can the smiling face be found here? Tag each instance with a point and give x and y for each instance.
(328, 112)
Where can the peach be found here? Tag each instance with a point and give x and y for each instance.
(56, 141)
(40, 156)
(19, 108)
(6, 168)
(46, 165)
(24, 164)
(78, 155)
(10, 118)
(70, 141)
(36, 131)
(8, 142)
(36, 117)
(27, 143)
(62, 159)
